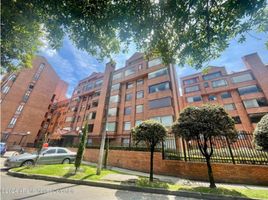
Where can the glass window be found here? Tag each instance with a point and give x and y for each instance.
(237, 120)
(69, 119)
(190, 81)
(128, 97)
(242, 78)
(125, 142)
(194, 99)
(110, 126)
(226, 95)
(127, 110)
(98, 83)
(92, 115)
(253, 103)
(130, 71)
(206, 85)
(212, 97)
(159, 103)
(139, 108)
(117, 76)
(154, 62)
(5, 89)
(165, 120)
(139, 94)
(229, 106)
(61, 151)
(248, 89)
(212, 76)
(130, 85)
(160, 72)
(255, 118)
(112, 112)
(219, 83)
(192, 89)
(88, 86)
(12, 122)
(95, 104)
(19, 109)
(50, 151)
(140, 82)
(159, 87)
(96, 94)
(140, 67)
(90, 128)
(115, 86)
(138, 122)
(127, 126)
(114, 99)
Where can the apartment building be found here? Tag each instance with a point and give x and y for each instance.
(243, 94)
(25, 98)
(117, 100)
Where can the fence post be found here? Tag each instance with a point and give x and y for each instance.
(230, 150)
(184, 151)
(163, 151)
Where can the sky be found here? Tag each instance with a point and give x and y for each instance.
(73, 65)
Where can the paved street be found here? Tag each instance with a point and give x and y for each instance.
(19, 189)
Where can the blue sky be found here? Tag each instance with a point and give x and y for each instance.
(73, 65)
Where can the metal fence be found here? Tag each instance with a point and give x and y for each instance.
(242, 151)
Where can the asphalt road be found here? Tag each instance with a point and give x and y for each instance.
(20, 189)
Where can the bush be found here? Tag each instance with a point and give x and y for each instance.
(260, 135)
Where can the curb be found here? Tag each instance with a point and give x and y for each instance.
(118, 186)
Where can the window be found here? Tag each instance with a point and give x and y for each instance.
(154, 62)
(229, 106)
(69, 119)
(61, 151)
(31, 86)
(12, 122)
(127, 126)
(127, 111)
(117, 76)
(139, 108)
(192, 89)
(194, 99)
(159, 103)
(19, 109)
(98, 83)
(219, 83)
(84, 99)
(160, 72)
(125, 142)
(212, 76)
(139, 94)
(50, 151)
(212, 97)
(242, 78)
(92, 115)
(255, 118)
(140, 82)
(130, 71)
(115, 86)
(237, 120)
(114, 99)
(87, 87)
(37, 74)
(95, 104)
(111, 126)
(5, 89)
(130, 85)
(112, 112)
(253, 103)
(96, 94)
(140, 67)
(138, 122)
(165, 120)
(190, 81)
(128, 97)
(206, 85)
(26, 95)
(248, 89)
(159, 87)
(89, 141)
(90, 128)
(226, 95)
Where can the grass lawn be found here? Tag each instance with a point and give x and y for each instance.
(89, 173)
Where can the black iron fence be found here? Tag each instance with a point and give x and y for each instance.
(242, 151)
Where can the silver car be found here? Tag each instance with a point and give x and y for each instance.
(50, 155)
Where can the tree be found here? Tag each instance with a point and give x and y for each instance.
(180, 31)
(81, 148)
(202, 124)
(151, 132)
(260, 135)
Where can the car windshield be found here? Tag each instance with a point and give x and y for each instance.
(2, 144)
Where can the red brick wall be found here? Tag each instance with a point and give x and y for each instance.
(140, 161)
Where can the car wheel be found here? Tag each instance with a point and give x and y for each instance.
(66, 161)
(27, 163)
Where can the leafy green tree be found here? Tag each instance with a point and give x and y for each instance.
(180, 31)
(151, 132)
(261, 134)
(81, 148)
(202, 124)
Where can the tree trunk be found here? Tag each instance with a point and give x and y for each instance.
(210, 174)
(152, 164)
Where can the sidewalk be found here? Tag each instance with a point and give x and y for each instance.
(130, 175)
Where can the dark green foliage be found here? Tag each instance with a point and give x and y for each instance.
(152, 133)
(202, 124)
(181, 31)
(261, 134)
(81, 148)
